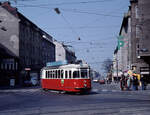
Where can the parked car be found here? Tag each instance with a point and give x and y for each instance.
(32, 82)
(102, 81)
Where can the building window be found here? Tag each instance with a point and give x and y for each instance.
(136, 12)
(138, 31)
(7, 66)
(16, 65)
(2, 67)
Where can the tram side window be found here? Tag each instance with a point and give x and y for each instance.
(58, 73)
(66, 74)
(84, 74)
(76, 74)
(62, 73)
(49, 74)
(53, 74)
(46, 74)
(69, 74)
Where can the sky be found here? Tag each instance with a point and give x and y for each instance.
(91, 27)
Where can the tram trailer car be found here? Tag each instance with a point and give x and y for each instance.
(69, 78)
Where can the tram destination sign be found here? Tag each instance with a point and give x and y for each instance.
(57, 63)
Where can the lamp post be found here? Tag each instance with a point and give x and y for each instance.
(117, 70)
(115, 62)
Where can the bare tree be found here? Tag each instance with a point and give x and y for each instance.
(106, 65)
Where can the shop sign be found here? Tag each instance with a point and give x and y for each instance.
(27, 69)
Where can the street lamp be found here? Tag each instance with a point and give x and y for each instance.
(57, 10)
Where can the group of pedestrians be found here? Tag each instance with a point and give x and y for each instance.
(131, 82)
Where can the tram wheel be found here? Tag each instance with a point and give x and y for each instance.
(45, 89)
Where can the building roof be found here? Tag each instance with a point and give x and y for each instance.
(116, 50)
(125, 21)
(9, 8)
(66, 47)
(24, 20)
(133, 1)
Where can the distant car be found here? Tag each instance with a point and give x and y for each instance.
(96, 80)
(102, 81)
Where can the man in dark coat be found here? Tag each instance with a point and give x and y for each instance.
(135, 83)
(143, 82)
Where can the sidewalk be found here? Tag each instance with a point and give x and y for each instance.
(17, 87)
(115, 87)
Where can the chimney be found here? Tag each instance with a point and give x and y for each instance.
(7, 3)
(133, 1)
(8, 7)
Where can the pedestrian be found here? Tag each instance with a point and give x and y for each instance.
(143, 82)
(135, 83)
(129, 81)
(123, 83)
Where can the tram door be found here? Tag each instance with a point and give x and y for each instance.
(62, 79)
(66, 76)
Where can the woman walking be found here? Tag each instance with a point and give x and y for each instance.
(123, 83)
(129, 80)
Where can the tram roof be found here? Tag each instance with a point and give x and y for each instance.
(68, 66)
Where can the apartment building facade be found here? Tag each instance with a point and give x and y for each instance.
(24, 47)
(140, 37)
(63, 52)
(135, 53)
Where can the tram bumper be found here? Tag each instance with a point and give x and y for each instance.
(82, 88)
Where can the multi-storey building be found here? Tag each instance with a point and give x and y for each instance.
(24, 47)
(140, 37)
(122, 53)
(63, 52)
(135, 53)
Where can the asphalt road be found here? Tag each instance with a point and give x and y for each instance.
(35, 101)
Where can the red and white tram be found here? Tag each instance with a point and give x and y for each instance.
(69, 78)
